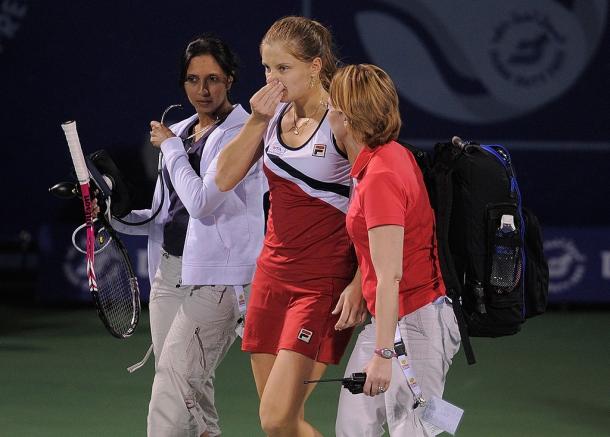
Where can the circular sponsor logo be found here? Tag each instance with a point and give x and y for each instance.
(567, 265)
(533, 56)
(528, 49)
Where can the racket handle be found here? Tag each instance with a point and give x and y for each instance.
(76, 151)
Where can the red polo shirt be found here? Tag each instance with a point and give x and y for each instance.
(389, 190)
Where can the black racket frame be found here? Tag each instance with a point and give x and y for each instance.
(133, 279)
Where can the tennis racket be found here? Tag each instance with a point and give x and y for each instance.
(112, 282)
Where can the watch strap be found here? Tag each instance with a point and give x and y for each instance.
(385, 352)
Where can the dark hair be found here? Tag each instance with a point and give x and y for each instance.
(306, 40)
(209, 44)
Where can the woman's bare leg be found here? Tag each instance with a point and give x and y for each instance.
(279, 381)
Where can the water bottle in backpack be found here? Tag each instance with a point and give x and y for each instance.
(506, 257)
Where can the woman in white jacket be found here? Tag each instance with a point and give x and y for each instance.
(202, 246)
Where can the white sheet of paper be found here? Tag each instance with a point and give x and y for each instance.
(442, 414)
(240, 330)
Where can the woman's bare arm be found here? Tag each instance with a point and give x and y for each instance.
(238, 156)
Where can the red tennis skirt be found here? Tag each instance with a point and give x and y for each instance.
(296, 317)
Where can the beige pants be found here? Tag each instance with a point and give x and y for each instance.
(432, 339)
(192, 329)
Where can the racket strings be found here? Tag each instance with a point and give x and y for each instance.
(111, 278)
(117, 290)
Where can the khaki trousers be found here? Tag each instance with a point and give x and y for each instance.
(432, 339)
(192, 328)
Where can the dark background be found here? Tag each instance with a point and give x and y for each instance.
(113, 66)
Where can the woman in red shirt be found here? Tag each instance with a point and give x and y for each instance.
(391, 224)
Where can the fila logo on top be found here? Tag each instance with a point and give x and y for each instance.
(305, 335)
(319, 150)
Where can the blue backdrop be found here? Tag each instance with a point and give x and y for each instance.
(579, 265)
(530, 74)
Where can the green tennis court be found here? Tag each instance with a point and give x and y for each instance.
(62, 375)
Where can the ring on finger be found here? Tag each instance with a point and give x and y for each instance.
(381, 389)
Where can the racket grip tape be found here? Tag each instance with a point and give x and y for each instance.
(76, 151)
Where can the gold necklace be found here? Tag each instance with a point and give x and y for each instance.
(295, 127)
(208, 126)
(203, 129)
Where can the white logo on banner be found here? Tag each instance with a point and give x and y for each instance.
(567, 265)
(11, 13)
(142, 269)
(75, 268)
(482, 61)
(605, 256)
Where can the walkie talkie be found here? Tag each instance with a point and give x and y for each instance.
(354, 383)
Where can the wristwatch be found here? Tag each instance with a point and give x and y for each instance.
(386, 353)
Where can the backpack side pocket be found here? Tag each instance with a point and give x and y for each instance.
(536, 268)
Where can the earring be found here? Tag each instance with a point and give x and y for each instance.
(345, 122)
(312, 81)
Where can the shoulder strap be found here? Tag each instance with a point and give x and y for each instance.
(424, 163)
(445, 157)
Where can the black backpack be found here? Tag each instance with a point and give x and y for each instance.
(490, 246)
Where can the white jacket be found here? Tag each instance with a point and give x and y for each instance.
(225, 230)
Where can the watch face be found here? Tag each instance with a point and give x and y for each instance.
(387, 353)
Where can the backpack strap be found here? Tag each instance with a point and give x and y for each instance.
(438, 177)
(441, 178)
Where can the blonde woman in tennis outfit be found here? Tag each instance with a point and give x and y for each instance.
(202, 246)
(306, 267)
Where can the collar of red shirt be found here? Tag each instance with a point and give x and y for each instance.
(362, 160)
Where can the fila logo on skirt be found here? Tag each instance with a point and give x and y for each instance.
(305, 335)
